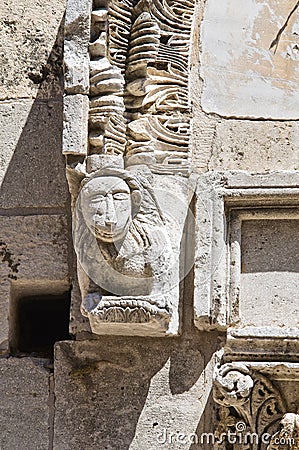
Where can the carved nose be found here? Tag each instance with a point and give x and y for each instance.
(110, 211)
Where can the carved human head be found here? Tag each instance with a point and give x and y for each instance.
(110, 198)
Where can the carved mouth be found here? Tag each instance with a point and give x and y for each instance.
(101, 233)
(108, 235)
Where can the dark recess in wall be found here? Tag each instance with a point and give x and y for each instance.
(41, 321)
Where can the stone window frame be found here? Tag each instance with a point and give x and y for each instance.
(223, 200)
(236, 218)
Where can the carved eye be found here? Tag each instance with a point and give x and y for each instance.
(120, 196)
(97, 199)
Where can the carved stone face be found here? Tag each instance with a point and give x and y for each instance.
(107, 208)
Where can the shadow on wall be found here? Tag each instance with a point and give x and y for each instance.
(111, 393)
(35, 176)
(132, 393)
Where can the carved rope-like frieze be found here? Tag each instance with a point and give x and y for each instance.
(110, 31)
(139, 105)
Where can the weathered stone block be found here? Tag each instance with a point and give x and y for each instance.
(5, 286)
(79, 325)
(24, 408)
(32, 169)
(29, 30)
(210, 308)
(35, 247)
(75, 130)
(249, 59)
(145, 388)
(262, 343)
(33, 250)
(104, 378)
(76, 57)
(270, 266)
(255, 146)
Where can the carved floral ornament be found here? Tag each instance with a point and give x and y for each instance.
(252, 411)
(128, 220)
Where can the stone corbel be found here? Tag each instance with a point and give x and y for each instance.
(126, 140)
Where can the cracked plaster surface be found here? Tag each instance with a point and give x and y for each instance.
(250, 59)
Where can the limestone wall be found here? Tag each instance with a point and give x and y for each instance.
(139, 392)
(34, 226)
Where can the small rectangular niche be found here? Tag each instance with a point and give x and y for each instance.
(268, 276)
(38, 321)
(247, 255)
